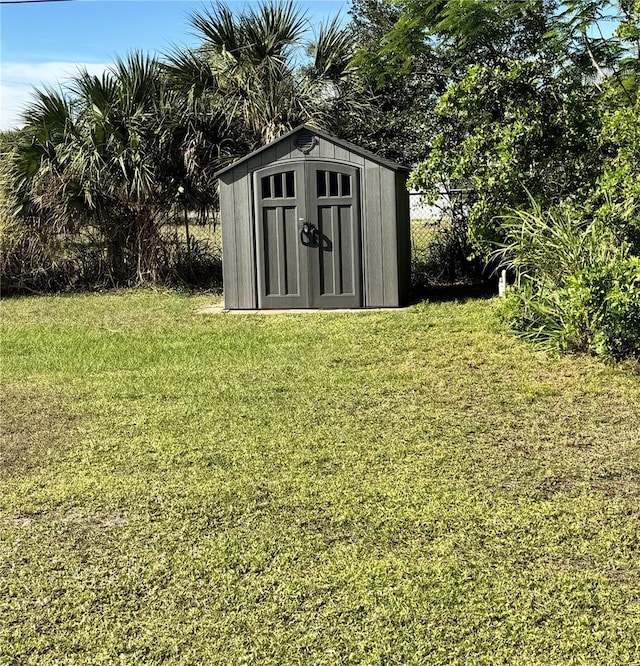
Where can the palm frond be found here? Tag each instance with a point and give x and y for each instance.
(50, 111)
(333, 50)
(269, 31)
(220, 29)
(189, 71)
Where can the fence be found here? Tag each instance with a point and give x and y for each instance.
(425, 219)
(440, 249)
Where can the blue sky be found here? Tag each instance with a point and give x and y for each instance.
(42, 43)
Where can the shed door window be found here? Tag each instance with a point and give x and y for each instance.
(333, 184)
(279, 185)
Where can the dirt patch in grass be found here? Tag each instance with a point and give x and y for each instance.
(35, 425)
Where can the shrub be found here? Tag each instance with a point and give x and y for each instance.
(442, 255)
(34, 258)
(28, 261)
(577, 288)
(604, 309)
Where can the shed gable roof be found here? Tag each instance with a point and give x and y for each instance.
(347, 145)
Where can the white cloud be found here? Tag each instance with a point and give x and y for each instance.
(19, 79)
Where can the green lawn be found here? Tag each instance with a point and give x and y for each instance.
(408, 487)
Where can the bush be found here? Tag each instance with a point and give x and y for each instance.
(441, 255)
(577, 288)
(197, 263)
(31, 259)
(604, 309)
(598, 312)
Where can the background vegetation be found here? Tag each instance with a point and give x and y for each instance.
(103, 167)
(533, 133)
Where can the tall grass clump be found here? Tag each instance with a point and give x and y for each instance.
(577, 284)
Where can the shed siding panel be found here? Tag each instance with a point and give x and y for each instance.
(280, 151)
(374, 274)
(229, 256)
(354, 158)
(327, 149)
(243, 204)
(342, 154)
(388, 234)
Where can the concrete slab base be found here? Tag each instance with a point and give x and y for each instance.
(218, 308)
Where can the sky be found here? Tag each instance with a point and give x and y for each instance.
(42, 43)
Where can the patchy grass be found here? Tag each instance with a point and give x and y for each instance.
(403, 487)
(34, 423)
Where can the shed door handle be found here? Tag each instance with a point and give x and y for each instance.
(310, 232)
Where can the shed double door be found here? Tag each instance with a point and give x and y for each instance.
(308, 236)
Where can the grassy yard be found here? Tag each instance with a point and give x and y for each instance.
(405, 487)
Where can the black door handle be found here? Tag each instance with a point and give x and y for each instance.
(308, 230)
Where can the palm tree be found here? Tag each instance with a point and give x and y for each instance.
(107, 153)
(258, 67)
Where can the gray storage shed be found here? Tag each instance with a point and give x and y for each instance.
(311, 221)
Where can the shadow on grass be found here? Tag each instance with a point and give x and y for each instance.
(439, 293)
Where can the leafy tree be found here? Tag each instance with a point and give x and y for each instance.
(399, 121)
(512, 131)
(616, 196)
(517, 109)
(518, 117)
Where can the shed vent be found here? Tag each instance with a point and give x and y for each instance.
(305, 141)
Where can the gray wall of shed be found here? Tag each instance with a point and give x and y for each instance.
(385, 220)
(238, 251)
